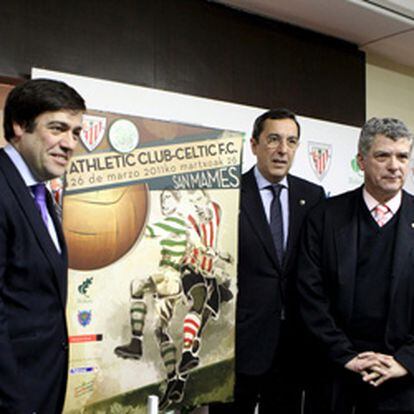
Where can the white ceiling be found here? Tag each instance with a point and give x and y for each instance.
(382, 27)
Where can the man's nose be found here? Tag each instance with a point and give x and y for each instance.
(393, 163)
(282, 147)
(70, 140)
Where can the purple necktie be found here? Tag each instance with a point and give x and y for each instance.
(39, 192)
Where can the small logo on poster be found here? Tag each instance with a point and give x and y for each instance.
(84, 388)
(93, 131)
(83, 288)
(80, 339)
(320, 156)
(123, 135)
(84, 317)
(82, 370)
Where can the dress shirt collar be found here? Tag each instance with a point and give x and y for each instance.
(263, 183)
(30, 180)
(393, 204)
(21, 165)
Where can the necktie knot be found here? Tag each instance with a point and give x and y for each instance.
(39, 192)
(276, 189)
(382, 214)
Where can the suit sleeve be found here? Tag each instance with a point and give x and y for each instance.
(12, 396)
(315, 290)
(405, 355)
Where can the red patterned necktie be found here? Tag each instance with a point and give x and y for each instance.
(382, 214)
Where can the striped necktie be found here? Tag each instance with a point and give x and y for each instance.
(382, 214)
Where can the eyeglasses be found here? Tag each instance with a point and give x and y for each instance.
(274, 140)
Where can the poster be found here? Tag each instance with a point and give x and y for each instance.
(150, 218)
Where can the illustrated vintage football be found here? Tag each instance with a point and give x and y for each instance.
(102, 226)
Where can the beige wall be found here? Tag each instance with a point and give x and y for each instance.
(390, 90)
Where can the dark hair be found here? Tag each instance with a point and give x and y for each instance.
(280, 113)
(30, 99)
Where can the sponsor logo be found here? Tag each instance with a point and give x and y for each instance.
(83, 389)
(77, 339)
(355, 167)
(84, 317)
(320, 156)
(123, 135)
(84, 286)
(357, 176)
(82, 370)
(93, 131)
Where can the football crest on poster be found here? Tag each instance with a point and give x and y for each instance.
(84, 317)
(93, 131)
(320, 156)
(123, 136)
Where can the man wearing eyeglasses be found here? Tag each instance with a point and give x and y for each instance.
(273, 207)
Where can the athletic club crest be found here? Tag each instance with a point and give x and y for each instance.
(320, 156)
(84, 317)
(93, 131)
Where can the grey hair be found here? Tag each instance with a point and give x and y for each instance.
(390, 127)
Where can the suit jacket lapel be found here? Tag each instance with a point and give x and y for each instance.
(63, 262)
(25, 199)
(253, 208)
(346, 250)
(297, 207)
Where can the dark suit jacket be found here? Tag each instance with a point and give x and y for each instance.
(33, 277)
(326, 282)
(263, 285)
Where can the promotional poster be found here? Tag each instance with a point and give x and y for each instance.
(150, 215)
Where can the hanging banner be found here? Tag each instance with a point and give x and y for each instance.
(150, 218)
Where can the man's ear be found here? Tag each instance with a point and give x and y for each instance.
(360, 161)
(18, 130)
(253, 145)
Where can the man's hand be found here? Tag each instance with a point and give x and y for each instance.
(386, 368)
(376, 368)
(361, 362)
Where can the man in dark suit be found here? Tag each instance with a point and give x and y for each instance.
(42, 124)
(272, 208)
(356, 282)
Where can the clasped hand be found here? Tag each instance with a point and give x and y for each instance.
(376, 368)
